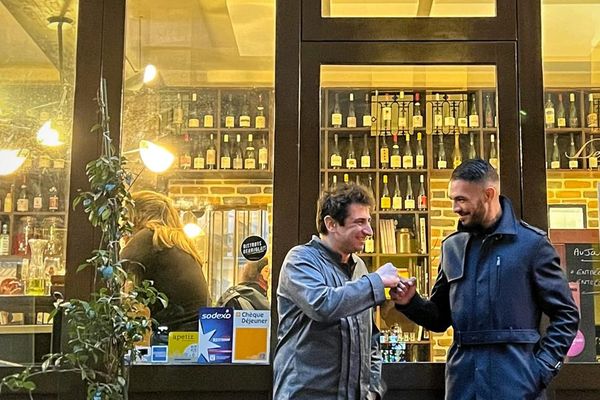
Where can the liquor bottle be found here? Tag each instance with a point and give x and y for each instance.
(244, 119)
(351, 118)
(395, 157)
(199, 159)
(407, 157)
(422, 199)
(263, 154)
(386, 200)
(351, 159)
(357, 179)
(493, 159)
(367, 119)
(53, 203)
(593, 156)
(549, 114)
(225, 161)
(333, 182)
(397, 198)
(555, 160)
(335, 160)
(561, 120)
(473, 114)
(384, 153)
(238, 155)
(489, 114)
(437, 113)
(365, 158)
(573, 118)
(336, 115)
(592, 117)
(442, 163)
(409, 199)
(193, 120)
(8, 200)
(229, 112)
(402, 124)
(386, 116)
(209, 121)
(573, 162)
(23, 199)
(211, 153)
(370, 186)
(178, 115)
(4, 241)
(450, 119)
(417, 118)
(250, 156)
(420, 156)
(38, 202)
(185, 159)
(456, 154)
(346, 179)
(472, 153)
(462, 115)
(260, 121)
(369, 244)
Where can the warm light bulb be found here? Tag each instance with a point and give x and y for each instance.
(149, 73)
(192, 230)
(155, 158)
(10, 161)
(48, 136)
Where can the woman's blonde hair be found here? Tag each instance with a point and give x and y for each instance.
(157, 213)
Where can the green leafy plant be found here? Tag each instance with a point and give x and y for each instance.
(102, 332)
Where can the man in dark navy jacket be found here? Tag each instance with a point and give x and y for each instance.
(497, 276)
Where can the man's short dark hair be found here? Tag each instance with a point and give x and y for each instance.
(336, 202)
(475, 170)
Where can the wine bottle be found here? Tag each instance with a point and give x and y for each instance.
(4, 241)
(384, 153)
(238, 154)
(573, 118)
(493, 159)
(386, 113)
(442, 163)
(346, 179)
(244, 119)
(53, 201)
(263, 154)
(199, 160)
(573, 162)
(38, 201)
(593, 156)
(561, 120)
(336, 115)
(420, 156)
(8, 200)
(336, 158)
(450, 119)
(367, 119)
(395, 157)
(178, 115)
(370, 187)
(592, 117)
(185, 158)
(351, 118)
(229, 112)
(407, 157)
(397, 198)
(555, 160)
(211, 153)
(357, 179)
(23, 199)
(549, 114)
(437, 113)
(462, 115)
(208, 119)
(456, 154)
(417, 118)
(422, 199)
(409, 199)
(385, 201)
(365, 158)
(472, 153)
(489, 114)
(369, 244)
(250, 154)
(351, 159)
(260, 121)
(402, 124)
(334, 182)
(473, 114)
(193, 120)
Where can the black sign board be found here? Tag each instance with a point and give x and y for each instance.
(254, 248)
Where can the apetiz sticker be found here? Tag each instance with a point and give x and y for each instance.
(254, 248)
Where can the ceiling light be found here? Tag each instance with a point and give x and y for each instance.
(56, 21)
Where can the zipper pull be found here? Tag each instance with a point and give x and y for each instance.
(497, 261)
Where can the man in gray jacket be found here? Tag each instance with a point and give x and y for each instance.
(325, 298)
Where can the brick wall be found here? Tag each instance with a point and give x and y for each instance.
(228, 193)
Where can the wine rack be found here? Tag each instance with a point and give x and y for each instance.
(395, 141)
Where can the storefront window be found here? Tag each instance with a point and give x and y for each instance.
(37, 69)
(199, 83)
(571, 56)
(407, 8)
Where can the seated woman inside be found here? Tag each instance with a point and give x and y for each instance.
(160, 251)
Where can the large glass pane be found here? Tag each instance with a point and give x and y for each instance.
(37, 69)
(210, 104)
(400, 130)
(571, 60)
(407, 8)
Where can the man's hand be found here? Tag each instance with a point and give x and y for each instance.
(404, 291)
(389, 275)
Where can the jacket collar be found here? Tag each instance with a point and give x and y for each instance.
(330, 253)
(508, 220)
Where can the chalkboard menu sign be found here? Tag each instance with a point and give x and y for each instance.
(583, 271)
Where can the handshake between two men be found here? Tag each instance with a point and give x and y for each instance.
(402, 290)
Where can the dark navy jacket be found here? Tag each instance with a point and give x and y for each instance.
(494, 303)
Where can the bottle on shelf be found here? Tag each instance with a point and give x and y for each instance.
(561, 120)
(592, 116)
(244, 118)
(422, 196)
(384, 153)
(4, 241)
(395, 157)
(263, 154)
(8, 200)
(334, 182)
(178, 114)
(386, 116)
(493, 158)
(208, 121)
(250, 154)
(260, 121)
(357, 179)
(420, 155)
(185, 158)
(23, 199)
(367, 119)
(38, 201)
(370, 186)
(409, 199)
(573, 161)
(365, 158)
(462, 120)
(238, 155)
(438, 119)
(386, 200)
(573, 117)
(593, 157)
(450, 119)
(555, 160)
(53, 200)
(351, 118)
(473, 114)
(397, 197)
(229, 112)
(369, 245)
(488, 112)
(456, 153)
(211, 153)
(336, 115)
(417, 118)
(472, 153)
(346, 179)
(335, 160)
(351, 159)
(402, 110)
(225, 162)
(407, 157)
(549, 114)
(199, 159)
(442, 163)
(193, 120)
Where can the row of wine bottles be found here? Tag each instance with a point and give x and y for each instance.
(557, 117)
(573, 157)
